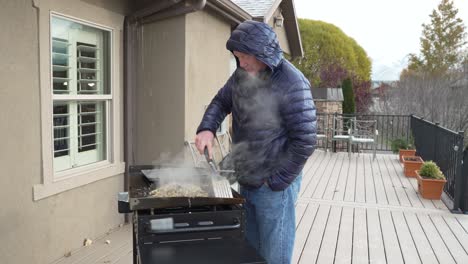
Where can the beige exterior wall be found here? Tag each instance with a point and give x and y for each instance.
(207, 65)
(183, 63)
(280, 32)
(160, 99)
(42, 231)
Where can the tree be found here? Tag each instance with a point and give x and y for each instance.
(348, 103)
(441, 42)
(435, 84)
(330, 56)
(362, 95)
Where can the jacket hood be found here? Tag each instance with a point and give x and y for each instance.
(258, 39)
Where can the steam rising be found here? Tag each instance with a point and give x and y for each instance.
(256, 110)
(179, 169)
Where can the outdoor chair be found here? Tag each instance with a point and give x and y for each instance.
(322, 129)
(364, 132)
(341, 130)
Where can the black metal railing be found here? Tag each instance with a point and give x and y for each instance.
(464, 202)
(389, 127)
(445, 148)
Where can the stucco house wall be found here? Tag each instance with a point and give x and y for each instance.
(172, 96)
(207, 64)
(280, 32)
(160, 99)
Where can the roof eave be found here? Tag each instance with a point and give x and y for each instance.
(271, 11)
(292, 28)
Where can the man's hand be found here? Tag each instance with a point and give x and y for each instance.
(205, 139)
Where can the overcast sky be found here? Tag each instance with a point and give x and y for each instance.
(388, 30)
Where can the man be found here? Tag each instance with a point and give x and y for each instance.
(274, 132)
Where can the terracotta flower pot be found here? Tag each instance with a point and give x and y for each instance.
(406, 152)
(411, 164)
(430, 188)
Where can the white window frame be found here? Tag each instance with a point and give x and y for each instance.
(57, 182)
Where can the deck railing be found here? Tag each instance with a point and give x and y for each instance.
(389, 127)
(464, 202)
(432, 141)
(445, 148)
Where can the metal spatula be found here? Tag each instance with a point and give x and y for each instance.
(221, 186)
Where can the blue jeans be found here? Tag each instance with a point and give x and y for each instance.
(271, 221)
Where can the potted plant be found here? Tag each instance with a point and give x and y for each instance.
(411, 164)
(431, 180)
(403, 146)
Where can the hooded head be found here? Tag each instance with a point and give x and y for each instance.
(257, 39)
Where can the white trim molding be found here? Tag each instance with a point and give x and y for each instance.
(45, 190)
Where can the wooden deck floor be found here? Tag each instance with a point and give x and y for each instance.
(350, 210)
(359, 210)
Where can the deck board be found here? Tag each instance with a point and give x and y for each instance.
(344, 247)
(458, 231)
(408, 248)
(421, 242)
(390, 238)
(340, 188)
(320, 163)
(369, 181)
(456, 249)
(438, 246)
(99, 249)
(376, 246)
(302, 232)
(360, 188)
(350, 188)
(333, 181)
(396, 183)
(381, 194)
(328, 246)
(360, 243)
(411, 192)
(300, 210)
(350, 210)
(314, 240)
(387, 182)
(321, 183)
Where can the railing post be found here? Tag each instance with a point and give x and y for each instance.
(435, 137)
(460, 181)
(334, 132)
(410, 131)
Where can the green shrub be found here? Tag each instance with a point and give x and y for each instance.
(349, 105)
(400, 143)
(430, 170)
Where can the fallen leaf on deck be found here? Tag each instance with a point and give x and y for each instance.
(87, 242)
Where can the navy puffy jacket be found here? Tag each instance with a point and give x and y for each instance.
(274, 122)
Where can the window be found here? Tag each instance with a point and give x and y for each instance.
(81, 97)
(81, 93)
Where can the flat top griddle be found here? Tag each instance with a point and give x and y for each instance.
(140, 186)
